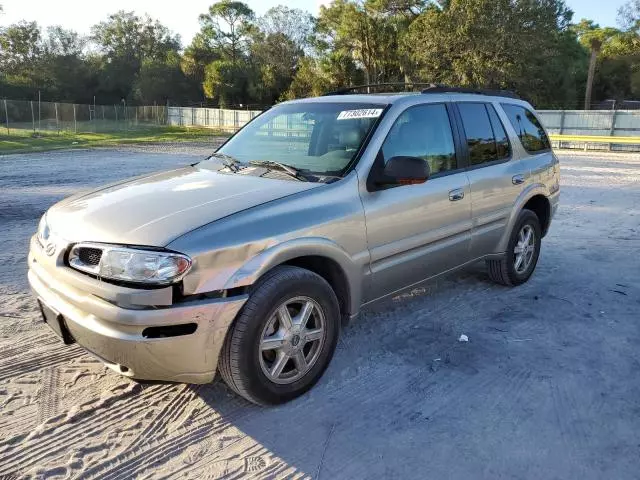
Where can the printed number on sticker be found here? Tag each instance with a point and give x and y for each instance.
(362, 113)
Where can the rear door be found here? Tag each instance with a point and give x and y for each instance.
(417, 231)
(496, 178)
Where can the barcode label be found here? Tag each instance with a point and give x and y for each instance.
(362, 113)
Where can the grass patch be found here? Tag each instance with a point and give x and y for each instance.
(22, 141)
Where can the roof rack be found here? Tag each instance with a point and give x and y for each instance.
(436, 88)
(426, 88)
(406, 86)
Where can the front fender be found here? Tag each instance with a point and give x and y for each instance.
(261, 263)
(527, 194)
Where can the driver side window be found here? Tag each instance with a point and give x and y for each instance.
(423, 131)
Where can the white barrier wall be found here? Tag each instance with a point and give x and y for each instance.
(209, 117)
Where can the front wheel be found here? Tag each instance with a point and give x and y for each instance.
(283, 338)
(523, 250)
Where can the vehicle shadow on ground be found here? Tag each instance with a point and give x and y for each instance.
(387, 363)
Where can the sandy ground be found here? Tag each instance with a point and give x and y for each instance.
(546, 387)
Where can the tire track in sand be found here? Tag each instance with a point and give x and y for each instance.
(48, 397)
(134, 461)
(167, 414)
(38, 360)
(66, 432)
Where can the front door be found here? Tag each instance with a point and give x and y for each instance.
(417, 231)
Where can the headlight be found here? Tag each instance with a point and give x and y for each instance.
(129, 264)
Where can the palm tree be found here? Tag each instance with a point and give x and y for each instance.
(596, 45)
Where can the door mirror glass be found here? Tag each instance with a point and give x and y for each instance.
(405, 170)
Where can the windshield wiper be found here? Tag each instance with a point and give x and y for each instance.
(228, 161)
(283, 167)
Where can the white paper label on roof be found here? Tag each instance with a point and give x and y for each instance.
(362, 113)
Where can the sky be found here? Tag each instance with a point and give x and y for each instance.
(182, 17)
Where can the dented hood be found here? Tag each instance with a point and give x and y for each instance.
(155, 209)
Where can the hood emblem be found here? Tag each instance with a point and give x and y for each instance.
(50, 248)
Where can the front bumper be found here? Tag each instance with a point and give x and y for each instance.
(114, 334)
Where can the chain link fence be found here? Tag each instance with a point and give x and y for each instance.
(18, 117)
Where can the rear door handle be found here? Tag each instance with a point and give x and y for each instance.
(517, 179)
(457, 194)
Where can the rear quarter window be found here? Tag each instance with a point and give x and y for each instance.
(528, 127)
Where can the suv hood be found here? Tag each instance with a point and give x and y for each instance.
(155, 209)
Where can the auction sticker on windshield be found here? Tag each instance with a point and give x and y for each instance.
(361, 113)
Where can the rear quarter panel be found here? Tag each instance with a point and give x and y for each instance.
(542, 178)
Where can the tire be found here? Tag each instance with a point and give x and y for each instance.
(245, 366)
(504, 271)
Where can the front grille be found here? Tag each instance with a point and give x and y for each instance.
(89, 256)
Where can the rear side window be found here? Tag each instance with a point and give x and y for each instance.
(528, 128)
(486, 138)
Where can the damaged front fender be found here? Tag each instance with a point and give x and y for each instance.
(257, 266)
(243, 265)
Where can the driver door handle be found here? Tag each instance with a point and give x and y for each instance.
(457, 194)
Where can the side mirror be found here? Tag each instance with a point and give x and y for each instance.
(404, 170)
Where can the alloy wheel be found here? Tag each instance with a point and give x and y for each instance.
(525, 249)
(292, 340)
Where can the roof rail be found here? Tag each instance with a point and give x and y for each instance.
(436, 88)
(407, 86)
(426, 88)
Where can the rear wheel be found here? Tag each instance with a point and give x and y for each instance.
(523, 251)
(284, 337)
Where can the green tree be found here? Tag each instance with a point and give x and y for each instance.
(54, 65)
(592, 37)
(65, 73)
(126, 41)
(196, 57)
(20, 45)
(615, 60)
(519, 44)
(295, 24)
(360, 29)
(276, 58)
(227, 26)
(160, 80)
(226, 82)
(316, 76)
(310, 80)
(223, 43)
(20, 55)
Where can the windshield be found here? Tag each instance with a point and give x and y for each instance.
(320, 138)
